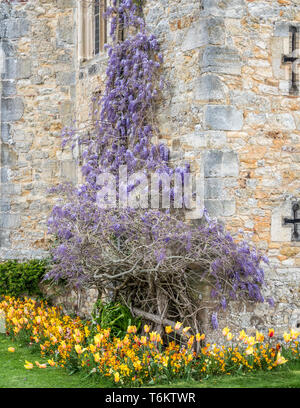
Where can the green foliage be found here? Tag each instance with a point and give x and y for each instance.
(14, 375)
(18, 279)
(139, 2)
(115, 316)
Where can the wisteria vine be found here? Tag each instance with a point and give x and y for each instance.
(150, 259)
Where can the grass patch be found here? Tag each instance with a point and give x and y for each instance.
(287, 376)
(14, 375)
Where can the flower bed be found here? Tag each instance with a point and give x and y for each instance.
(139, 360)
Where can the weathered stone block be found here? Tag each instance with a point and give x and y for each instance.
(9, 221)
(220, 208)
(281, 121)
(213, 188)
(93, 69)
(214, 207)
(204, 32)
(8, 156)
(279, 231)
(209, 88)
(10, 68)
(282, 29)
(223, 60)
(250, 101)
(16, 28)
(230, 167)
(65, 78)
(220, 117)
(65, 32)
(4, 174)
(8, 48)
(63, 4)
(5, 133)
(4, 205)
(8, 88)
(213, 163)
(12, 109)
(69, 170)
(263, 9)
(224, 8)
(24, 68)
(229, 208)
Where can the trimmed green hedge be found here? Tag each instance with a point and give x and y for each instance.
(17, 279)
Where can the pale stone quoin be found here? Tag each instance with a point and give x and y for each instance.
(227, 108)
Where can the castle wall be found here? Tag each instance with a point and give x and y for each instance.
(38, 93)
(226, 109)
(227, 105)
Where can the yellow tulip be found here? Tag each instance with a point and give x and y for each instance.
(250, 341)
(40, 365)
(168, 329)
(51, 363)
(177, 326)
(28, 365)
(225, 331)
(131, 329)
(144, 340)
(146, 328)
(185, 330)
(280, 359)
(287, 337)
(117, 377)
(294, 334)
(190, 357)
(78, 349)
(98, 339)
(191, 341)
(249, 350)
(92, 348)
(242, 335)
(259, 337)
(107, 332)
(153, 336)
(11, 349)
(229, 336)
(97, 357)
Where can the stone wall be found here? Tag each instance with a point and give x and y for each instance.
(38, 94)
(227, 105)
(226, 109)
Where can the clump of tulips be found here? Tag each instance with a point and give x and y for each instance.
(142, 359)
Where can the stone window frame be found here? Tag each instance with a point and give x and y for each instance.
(86, 29)
(100, 33)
